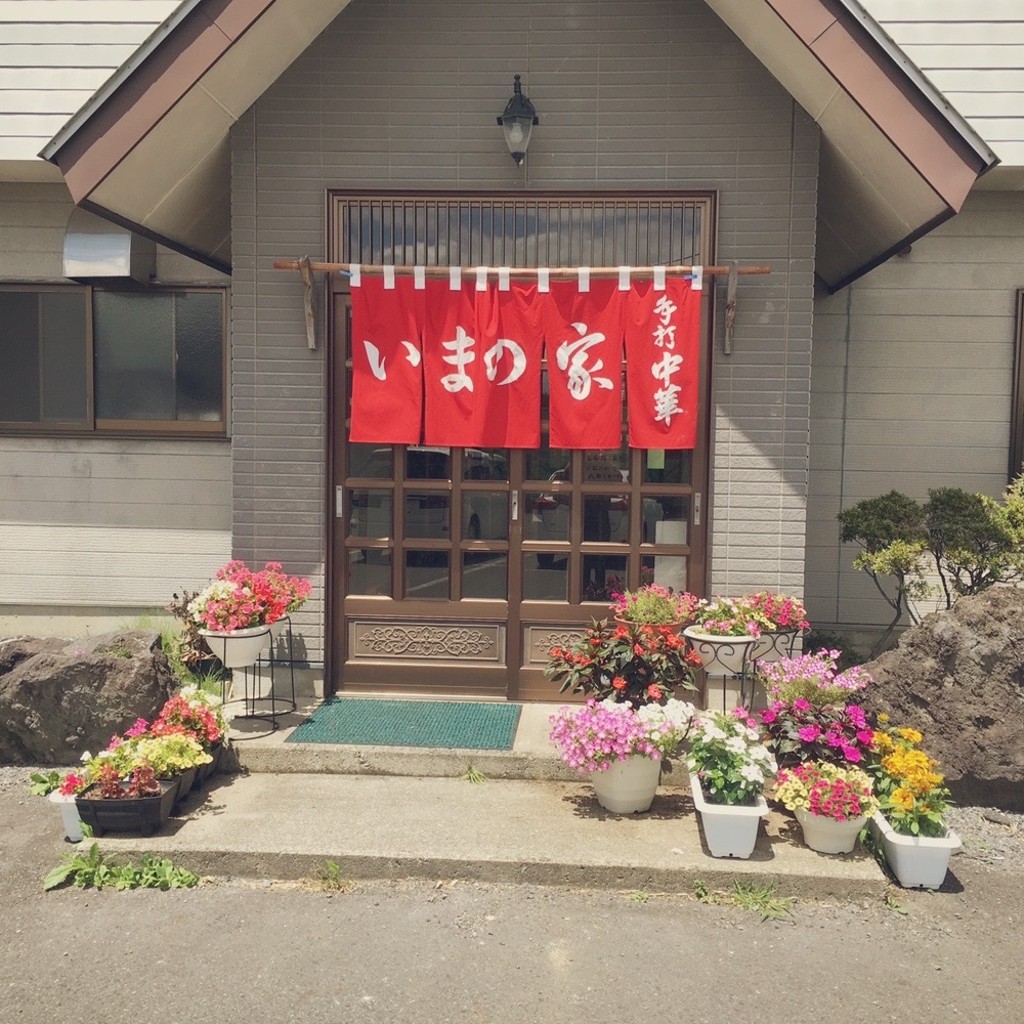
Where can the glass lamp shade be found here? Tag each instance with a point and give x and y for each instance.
(517, 122)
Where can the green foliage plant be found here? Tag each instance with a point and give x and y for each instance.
(91, 869)
(890, 530)
(44, 783)
(975, 541)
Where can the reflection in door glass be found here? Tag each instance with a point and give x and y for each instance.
(369, 571)
(547, 515)
(369, 460)
(427, 514)
(672, 467)
(546, 580)
(603, 577)
(485, 515)
(665, 570)
(484, 575)
(606, 518)
(426, 574)
(480, 464)
(369, 513)
(665, 519)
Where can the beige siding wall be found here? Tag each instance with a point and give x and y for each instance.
(54, 54)
(631, 95)
(99, 522)
(911, 386)
(972, 51)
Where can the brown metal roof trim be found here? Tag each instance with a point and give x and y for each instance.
(152, 89)
(909, 119)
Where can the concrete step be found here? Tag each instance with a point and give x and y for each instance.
(288, 826)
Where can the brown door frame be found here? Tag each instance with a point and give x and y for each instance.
(520, 681)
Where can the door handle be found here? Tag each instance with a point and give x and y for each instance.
(515, 506)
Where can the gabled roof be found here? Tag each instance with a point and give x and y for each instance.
(151, 150)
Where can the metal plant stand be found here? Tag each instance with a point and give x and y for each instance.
(255, 706)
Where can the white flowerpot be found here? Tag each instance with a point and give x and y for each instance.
(730, 830)
(68, 815)
(627, 786)
(826, 835)
(918, 862)
(238, 648)
(278, 628)
(721, 655)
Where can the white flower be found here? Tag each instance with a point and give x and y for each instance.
(86, 756)
(752, 773)
(712, 731)
(735, 745)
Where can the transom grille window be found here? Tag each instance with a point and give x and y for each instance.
(83, 359)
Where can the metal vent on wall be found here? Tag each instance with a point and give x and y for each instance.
(97, 250)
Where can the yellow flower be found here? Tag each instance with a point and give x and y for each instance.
(883, 717)
(910, 735)
(882, 742)
(902, 798)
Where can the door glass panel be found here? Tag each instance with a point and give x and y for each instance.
(369, 571)
(428, 463)
(606, 518)
(369, 513)
(662, 467)
(368, 460)
(546, 577)
(547, 515)
(485, 515)
(427, 514)
(484, 575)
(547, 463)
(478, 464)
(426, 574)
(603, 576)
(665, 570)
(665, 519)
(606, 467)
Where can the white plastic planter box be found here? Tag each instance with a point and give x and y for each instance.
(730, 830)
(918, 862)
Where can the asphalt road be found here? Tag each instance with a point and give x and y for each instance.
(463, 952)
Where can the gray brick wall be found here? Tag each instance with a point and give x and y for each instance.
(632, 94)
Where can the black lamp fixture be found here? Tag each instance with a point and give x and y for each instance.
(518, 121)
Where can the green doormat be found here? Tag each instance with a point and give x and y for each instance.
(411, 723)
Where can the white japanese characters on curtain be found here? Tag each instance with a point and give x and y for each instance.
(459, 362)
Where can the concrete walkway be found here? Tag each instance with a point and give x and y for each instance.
(381, 812)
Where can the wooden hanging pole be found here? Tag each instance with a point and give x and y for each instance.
(567, 272)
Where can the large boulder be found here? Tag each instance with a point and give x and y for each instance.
(59, 698)
(958, 677)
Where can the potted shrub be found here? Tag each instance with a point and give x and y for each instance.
(654, 605)
(832, 804)
(810, 716)
(729, 766)
(786, 617)
(60, 791)
(199, 714)
(628, 662)
(911, 821)
(236, 610)
(137, 803)
(724, 631)
(619, 749)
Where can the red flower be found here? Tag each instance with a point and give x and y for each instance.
(655, 692)
(619, 683)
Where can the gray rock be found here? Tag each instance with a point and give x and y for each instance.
(59, 698)
(958, 677)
